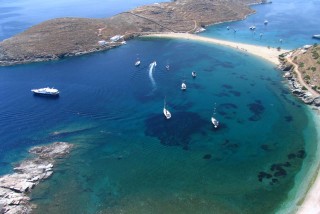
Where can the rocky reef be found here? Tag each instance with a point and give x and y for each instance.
(14, 188)
(64, 37)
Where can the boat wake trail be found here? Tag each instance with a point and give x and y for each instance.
(151, 69)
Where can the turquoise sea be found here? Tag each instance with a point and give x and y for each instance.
(128, 158)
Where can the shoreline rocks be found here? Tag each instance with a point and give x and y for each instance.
(14, 188)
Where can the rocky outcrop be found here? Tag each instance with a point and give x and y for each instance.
(64, 37)
(14, 188)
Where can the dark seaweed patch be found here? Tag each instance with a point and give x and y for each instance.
(207, 157)
(301, 154)
(227, 86)
(176, 131)
(288, 119)
(265, 147)
(263, 175)
(227, 110)
(257, 109)
(291, 156)
(222, 94)
(227, 65)
(235, 93)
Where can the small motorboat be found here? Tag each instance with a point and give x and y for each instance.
(138, 62)
(166, 112)
(183, 86)
(46, 91)
(228, 28)
(167, 67)
(265, 22)
(194, 74)
(252, 27)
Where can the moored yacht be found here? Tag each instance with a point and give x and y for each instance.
(166, 112)
(183, 86)
(214, 121)
(46, 91)
(265, 22)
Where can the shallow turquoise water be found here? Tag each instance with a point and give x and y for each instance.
(294, 22)
(129, 159)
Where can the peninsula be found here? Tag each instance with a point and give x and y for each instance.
(63, 37)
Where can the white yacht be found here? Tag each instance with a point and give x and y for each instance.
(316, 36)
(46, 91)
(166, 112)
(183, 86)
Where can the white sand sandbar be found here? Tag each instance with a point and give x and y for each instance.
(270, 54)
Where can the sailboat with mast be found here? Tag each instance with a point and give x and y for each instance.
(183, 86)
(166, 112)
(214, 121)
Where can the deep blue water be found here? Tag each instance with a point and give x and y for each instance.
(129, 159)
(293, 22)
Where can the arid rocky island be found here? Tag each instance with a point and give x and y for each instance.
(63, 37)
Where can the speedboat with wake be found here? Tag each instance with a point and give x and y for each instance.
(46, 91)
(137, 63)
(166, 112)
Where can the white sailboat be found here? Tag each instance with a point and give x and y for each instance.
(183, 86)
(166, 112)
(214, 121)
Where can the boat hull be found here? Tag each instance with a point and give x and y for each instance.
(166, 113)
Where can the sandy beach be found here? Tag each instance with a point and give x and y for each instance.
(270, 54)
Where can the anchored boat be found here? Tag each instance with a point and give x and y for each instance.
(46, 91)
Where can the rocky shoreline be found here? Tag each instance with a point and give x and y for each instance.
(15, 187)
(64, 37)
(295, 85)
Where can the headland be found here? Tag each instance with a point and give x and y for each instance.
(64, 37)
(15, 187)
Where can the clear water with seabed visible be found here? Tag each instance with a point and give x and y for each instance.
(129, 159)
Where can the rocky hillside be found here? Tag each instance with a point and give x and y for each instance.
(65, 37)
(308, 61)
